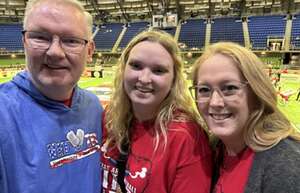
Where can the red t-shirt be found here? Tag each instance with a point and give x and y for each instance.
(234, 172)
(68, 102)
(184, 166)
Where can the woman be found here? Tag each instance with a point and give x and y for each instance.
(258, 149)
(154, 123)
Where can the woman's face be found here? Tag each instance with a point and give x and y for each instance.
(148, 78)
(227, 110)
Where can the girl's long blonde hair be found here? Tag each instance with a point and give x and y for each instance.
(119, 113)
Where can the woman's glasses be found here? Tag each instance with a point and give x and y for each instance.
(229, 91)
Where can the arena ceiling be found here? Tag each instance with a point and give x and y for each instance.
(128, 10)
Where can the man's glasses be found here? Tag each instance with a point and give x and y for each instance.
(42, 41)
(229, 91)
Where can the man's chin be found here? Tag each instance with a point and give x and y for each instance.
(57, 83)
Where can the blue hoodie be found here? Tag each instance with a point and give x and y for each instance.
(35, 153)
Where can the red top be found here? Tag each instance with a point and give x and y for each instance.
(234, 172)
(184, 166)
(68, 102)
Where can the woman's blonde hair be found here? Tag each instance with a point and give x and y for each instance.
(267, 125)
(119, 113)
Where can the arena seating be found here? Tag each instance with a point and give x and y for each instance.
(262, 27)
(11, 37)
(192, 33)
(170, 30)
(227, 29)
(132, 30)
(295, 37)
(107, 36)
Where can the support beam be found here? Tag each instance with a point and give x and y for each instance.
(123, 10)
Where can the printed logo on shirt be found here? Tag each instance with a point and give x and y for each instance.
(139, 169)
(137, 174)
(64, 152)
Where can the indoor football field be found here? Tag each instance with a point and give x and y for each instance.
(289, 87)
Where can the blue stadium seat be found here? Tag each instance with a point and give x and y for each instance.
(295, 36)
(107, 36)
(192, 33)
(132, 30)
(11, 37)
(227, 29)
(262, 27)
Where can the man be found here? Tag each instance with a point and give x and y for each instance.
(50, 128)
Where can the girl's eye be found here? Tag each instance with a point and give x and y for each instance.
(159, 71)
(135, 66)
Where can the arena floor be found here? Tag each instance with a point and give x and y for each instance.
(289, 83)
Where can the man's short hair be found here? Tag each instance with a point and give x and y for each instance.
(32, 3)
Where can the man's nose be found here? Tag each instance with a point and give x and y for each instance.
(55, 49)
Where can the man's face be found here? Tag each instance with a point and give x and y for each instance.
(55, 71)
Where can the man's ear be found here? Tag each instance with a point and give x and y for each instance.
(23, 41)
(91, 49)
(24, 44)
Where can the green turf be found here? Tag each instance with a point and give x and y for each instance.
(4, 79)
(83, 82)
(16, 61)
(291, 109)
(89, 82)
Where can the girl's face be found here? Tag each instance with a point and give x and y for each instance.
(148, 78)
